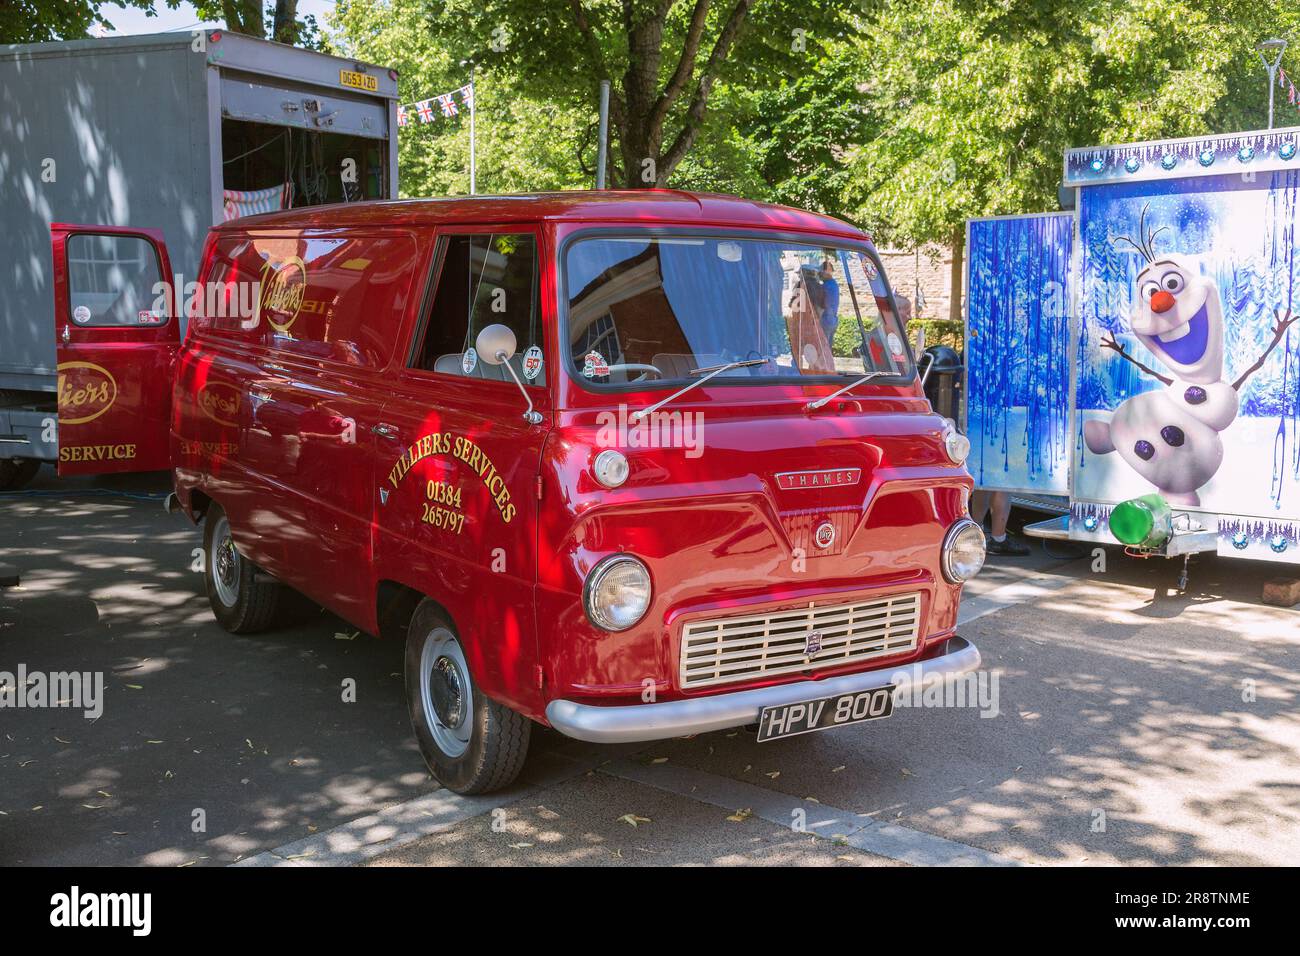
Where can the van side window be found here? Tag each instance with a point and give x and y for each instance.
(486, 279)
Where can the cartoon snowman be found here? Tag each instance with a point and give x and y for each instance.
(1170, 436)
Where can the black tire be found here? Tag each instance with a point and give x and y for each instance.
(497, 743)
(15, 473)
(241, 603)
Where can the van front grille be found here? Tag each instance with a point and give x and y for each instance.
(730, 649)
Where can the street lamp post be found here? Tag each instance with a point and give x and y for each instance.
(1277, 47)
(473, 106)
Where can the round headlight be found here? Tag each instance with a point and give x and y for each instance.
(963, 551)
(617, 592)
(955, 444)
(610, 468)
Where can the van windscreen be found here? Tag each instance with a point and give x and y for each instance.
(657, 309)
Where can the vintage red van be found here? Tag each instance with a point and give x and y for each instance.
(633, 465)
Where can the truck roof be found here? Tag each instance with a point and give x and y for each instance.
(653, 205)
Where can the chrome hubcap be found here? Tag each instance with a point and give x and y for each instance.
(225, 563)
(446, 695)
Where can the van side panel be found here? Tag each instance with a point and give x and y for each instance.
(299, 384)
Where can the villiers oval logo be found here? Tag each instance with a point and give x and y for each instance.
(220, 402)
(86, 391)
(283, 285)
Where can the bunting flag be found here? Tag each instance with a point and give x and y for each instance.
(423, 109)
(1292, 95)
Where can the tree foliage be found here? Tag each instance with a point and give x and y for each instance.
(665, 60)
(37, 21)
(979, 100)
(524, 142)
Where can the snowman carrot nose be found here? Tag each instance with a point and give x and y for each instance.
(1161, 301)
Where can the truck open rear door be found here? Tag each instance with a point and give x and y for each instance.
(116, 328)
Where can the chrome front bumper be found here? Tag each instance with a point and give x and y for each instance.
(698, 715)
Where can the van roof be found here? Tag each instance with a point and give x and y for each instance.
(652, 205)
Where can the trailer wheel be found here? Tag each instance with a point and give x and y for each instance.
(471, 743)
(240, 602)
(16, 472)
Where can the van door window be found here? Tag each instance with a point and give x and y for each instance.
(486, 279)
(114, 281)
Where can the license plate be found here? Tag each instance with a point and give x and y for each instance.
(359, 81)
(790, 720)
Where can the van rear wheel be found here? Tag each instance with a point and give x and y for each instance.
(471, 743)
(240, 602)
(16, 472)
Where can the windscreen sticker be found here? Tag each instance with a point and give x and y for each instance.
(149, 318)
(81, 315)
(895, 345)
(464, 450)
(594, 365)
(532, 362)
(469, 361)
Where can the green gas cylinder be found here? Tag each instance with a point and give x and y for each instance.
(1145, 522)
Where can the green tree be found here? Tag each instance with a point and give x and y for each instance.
(250, 17)
(37, 21)
(980, 99)
(789, 141)
(525, 143)
(665, 60)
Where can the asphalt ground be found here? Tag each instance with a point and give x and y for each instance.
(1132, 724)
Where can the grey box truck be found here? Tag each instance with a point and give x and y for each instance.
(171, 133)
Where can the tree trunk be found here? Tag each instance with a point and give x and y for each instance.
(639, 109)
(244, 16)
(285, 27)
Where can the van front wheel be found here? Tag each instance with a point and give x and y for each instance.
(240, 602)
(471, 743)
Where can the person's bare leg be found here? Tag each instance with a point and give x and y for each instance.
(999, 541)
(1001, 508)
(979, 505)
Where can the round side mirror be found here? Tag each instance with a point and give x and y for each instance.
(496, 344)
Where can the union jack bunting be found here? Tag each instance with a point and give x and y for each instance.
(423, 109)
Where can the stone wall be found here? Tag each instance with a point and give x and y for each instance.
(932, 267)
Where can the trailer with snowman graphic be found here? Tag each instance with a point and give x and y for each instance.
(1140, 353)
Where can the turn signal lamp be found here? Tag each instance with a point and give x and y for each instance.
(1144, 522)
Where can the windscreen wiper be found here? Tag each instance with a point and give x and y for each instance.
(708, 372)
(811, 406)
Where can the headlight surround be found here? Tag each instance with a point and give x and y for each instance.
(963, 551)
(617, 591)
(955, 444)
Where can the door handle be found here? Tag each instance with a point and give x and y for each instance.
(383, 428)
(67, 333)
(272, 367)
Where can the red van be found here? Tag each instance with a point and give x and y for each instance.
(633, 465)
